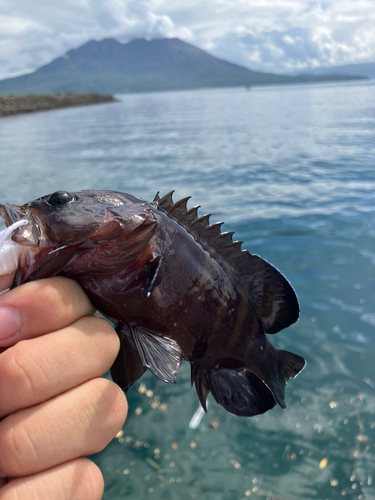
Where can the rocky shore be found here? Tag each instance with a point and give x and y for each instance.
(12, 105)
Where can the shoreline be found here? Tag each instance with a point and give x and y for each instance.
(14, 105)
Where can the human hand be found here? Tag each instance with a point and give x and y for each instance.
(55, 408)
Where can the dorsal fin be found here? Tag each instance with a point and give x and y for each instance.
(271, 294)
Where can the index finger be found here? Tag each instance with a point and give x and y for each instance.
(41, 307)
(6, 281)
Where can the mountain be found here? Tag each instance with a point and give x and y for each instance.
(109, 66)
(361, 69)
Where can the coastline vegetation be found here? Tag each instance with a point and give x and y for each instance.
(12, 104)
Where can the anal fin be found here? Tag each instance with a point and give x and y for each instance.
(240, 392)
(198, 376)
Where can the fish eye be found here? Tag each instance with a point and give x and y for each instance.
(60, 198)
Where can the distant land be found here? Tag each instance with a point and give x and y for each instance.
(361, 69)
(14, 105)
(109, 67)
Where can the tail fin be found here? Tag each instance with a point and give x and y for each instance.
(243, 393)
(276, 373)
(290, 364)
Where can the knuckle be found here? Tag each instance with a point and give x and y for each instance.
(16, 375)
(71, 294)
(7, 451)
(54, 292)
(13, 441)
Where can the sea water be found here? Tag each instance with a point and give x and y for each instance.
(292, 170)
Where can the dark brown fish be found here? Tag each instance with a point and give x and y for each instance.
(174, 285)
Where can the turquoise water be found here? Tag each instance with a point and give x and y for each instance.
(292, 171)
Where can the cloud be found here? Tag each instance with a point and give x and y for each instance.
(267, 35)
(34, 33)
(283, 35)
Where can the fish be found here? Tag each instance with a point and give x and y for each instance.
(175, 287)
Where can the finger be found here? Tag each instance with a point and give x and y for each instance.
(79, 422)
(6, 281)
(40, 307)
(79, 479)
(39, 369)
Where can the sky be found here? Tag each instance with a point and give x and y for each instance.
(278, 36)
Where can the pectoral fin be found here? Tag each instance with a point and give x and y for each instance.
(145, 273)
(152, 272)
(161, 355)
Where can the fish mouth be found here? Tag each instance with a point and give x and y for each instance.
(10, 214)
(27, 235)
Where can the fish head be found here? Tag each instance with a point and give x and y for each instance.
(63, 227)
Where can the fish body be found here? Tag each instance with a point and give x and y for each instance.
(175, 287)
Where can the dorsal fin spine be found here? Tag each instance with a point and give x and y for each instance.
(227, 234)
(203, 218)
(189, 216)
(215, 227)
(156, 200)
(183, 201)
(166, 202)
(181, 204)
(200, 224)
(234, 244)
